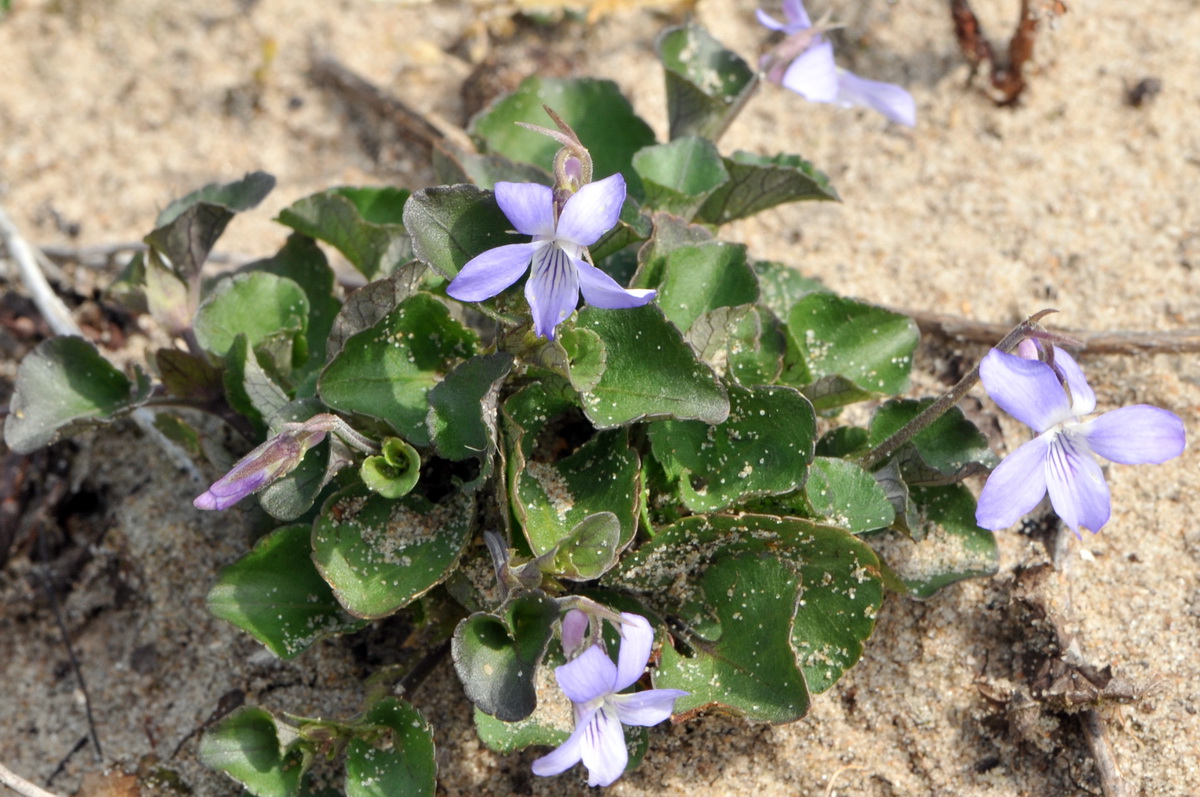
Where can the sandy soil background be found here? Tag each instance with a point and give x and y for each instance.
(1075, 200)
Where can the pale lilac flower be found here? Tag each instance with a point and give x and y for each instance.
(275, 458)
(559, 271)
(592, 682)
(804, 64)
(1060, 460)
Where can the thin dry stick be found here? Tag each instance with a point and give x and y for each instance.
(1111, 782)
(1111, 342)
(21, 786)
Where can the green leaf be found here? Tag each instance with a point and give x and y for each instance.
(781, 286)
(452, 224)
(752, 588)
(249, 388)
(590, 550)
(462, 408)
(246, 747)
(701, 278)
(763, 448)
(188, 376)
(583, 357)
(399, 761)
(595, 109)
(364, 224)
(946, 545)
(650, 372)
(847, 496)
(303, 262)
(62, 386)
(259, 306)
(537, 728)
(679, 176)
(550, 500)
(951, 446)
(496, 656)
(750, 670)
(706, 83)
(745, 344)
(857, 349)
(366, 306)
(670, 233)
(188, 227)
(386, 371)
(394, 472)
(276, 594)
(758, 182)
(380, 555)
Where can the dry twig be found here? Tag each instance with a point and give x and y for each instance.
(21, 786)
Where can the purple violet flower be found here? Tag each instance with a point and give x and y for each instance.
(804, 64)
(1060, 460)
(559, 271)
(275, 458)
(592, 682)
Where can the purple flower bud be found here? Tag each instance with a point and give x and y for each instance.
(276, 457)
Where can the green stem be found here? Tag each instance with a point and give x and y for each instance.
(947, 400)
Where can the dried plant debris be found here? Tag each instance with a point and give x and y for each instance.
(1006, 77)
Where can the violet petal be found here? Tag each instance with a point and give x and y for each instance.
(529, 206)
(646, 708)
(1015, 486)
(592, 211)
(1076, 483)
(603, 747)
(490, 272)
(1136, 435)
(637, 638)
(563, 757)
(588, 676)
(601, 290)
(552, 289)
(889, 99)
(1083, 398)
(813, 75)
(1028, 390)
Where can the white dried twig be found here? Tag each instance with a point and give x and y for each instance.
(17, 783)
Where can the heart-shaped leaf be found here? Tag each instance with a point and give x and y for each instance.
(758, 182)
(945, 547)
(187, 228)
(380, 555)
(386, 371)
(951, 446)
(364, 224)
(496, 656)
(65, 385)
(276, 594)
(865, 349)
(679, 176)
(258, 305)
(650, 372)
(247, 747)
(847, 496)
(706, 83)
(595, 109)
(462, 408)
(703, 277)
(452, 224)
(397, 760)
(763, 448)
